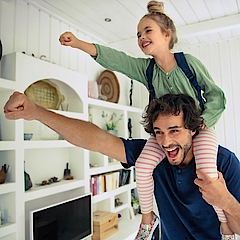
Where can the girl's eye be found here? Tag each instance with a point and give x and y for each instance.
(148, 30)
(138, 36)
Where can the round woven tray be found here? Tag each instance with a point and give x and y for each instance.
(45, 94)
(110, 86)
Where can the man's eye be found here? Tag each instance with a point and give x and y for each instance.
(174, 131)
(158, 132)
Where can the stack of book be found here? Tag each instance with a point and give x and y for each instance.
(109, 181)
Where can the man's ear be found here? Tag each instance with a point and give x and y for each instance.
(193, 132)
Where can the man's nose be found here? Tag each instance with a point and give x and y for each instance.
(166, 141)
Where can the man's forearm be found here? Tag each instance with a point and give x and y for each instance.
(231, 209)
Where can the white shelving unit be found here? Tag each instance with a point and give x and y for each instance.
(47, 158)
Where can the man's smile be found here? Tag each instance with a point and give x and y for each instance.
(172, 152)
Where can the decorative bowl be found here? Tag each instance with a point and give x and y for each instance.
(28, 136)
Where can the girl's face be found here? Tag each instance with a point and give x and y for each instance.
(151, 40)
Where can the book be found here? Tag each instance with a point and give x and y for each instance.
(109, 182)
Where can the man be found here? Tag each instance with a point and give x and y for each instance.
(184, 202)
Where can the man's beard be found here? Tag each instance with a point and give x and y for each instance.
(186, 148)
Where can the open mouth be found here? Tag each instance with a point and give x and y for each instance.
(173, 152)
(145, 44)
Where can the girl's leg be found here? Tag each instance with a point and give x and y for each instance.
(149, 158)
(205, 148)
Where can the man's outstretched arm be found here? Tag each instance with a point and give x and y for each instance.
(78, 132)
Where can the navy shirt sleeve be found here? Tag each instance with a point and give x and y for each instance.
(229, 166)
(133, 148)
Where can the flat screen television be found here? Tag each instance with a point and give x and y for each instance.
(71, 219)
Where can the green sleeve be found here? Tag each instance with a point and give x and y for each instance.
(214, 99)
(113, 60)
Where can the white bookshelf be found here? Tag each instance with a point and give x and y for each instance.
(47, 158)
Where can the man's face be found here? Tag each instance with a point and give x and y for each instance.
(174, 139)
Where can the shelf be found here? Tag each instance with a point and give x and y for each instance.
(7, 187)
(127, 228)
(47, 144)
(7, 228)
(104, 104)
(100, 170)
(7, 84)
(103, 196)
(54, 188)
(7, 145)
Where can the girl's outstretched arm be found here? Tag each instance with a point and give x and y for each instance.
(68, 39)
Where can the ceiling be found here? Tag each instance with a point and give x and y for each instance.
(197, 21)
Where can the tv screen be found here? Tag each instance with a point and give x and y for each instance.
(71, 219)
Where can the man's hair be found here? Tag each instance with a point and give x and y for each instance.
(173, 104)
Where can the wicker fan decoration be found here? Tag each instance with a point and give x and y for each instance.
(45, 93)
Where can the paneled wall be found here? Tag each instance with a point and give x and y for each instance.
(29, 28)
(222, 59)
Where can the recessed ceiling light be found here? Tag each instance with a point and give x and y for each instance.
(108, 19)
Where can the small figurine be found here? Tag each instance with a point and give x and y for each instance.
(130, 128)
(130, 95)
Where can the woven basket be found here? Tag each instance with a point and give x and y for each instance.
(45, 93)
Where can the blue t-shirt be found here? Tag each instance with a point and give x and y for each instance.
(183, 212)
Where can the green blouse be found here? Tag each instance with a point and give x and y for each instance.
(174, 81)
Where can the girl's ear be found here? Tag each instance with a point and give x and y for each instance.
(168, 33)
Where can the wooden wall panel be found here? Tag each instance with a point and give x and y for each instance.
(33, 31)
(44, 35)
(227, 87)
(64, 51)
(73, 53)
(214, 69)
(81, 55)
(234, 50)
(7, 26)
(21, 27)
(54, 43)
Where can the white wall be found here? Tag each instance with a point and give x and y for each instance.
(222, 59)
(27, 28)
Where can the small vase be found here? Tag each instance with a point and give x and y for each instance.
(113, 132)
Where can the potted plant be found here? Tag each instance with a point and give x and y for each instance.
(111, 122)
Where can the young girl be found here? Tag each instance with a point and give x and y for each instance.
(156, 37)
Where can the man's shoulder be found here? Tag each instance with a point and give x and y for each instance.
(226, 159)
(224, 152)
